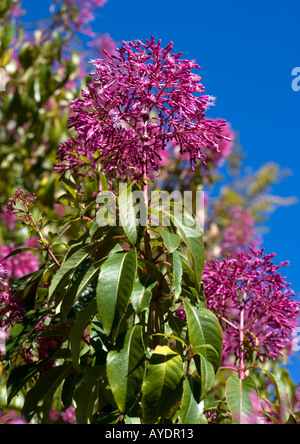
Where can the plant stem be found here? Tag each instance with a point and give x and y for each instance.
(242, 337)
(45, 243)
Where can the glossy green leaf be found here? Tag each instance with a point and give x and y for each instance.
(192, 237)
(75, 335)
(86, 394)
(126, 368)
(114, 289)
(171, 240)
(127, 214)
(163, 385)
(40, 397)
(78, 286)
(24, 329)
(192, 408)
(241, 396)
(204, 329)
(141, 294)
(176, 275)
(68, 267)
(19, 251)
(283, 397)
(207, 376)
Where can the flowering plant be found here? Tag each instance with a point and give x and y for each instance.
(114, 312)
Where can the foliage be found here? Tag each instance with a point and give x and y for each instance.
(103, 310)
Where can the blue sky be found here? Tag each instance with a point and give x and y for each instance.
(247, 51)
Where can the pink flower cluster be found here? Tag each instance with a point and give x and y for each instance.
(68, 416)
(140, 100)
(19, 265)
(84, 14)
(218, 157)
(240, 234)
(252, 283)
(26, 199)
(11, 417)
(8, 219)
(10, 311)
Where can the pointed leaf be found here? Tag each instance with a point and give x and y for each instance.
(162, 389)
(283, 397)
(86, 394)
(240, 395)
(43, 392)
(177, 275)
(77, 330)
(68, 267)
(114, 289)
(141, 294)
(192, 237)
(127, 213)
(126, 368)
(204, 329)
(78, 286)
(192, 408)
(171, 240)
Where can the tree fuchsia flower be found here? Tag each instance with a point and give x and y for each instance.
(19, 265)
(252, 286)
(11, 417)
(217, 158)
(8, 219)
(84, 14)
(69, 416)
(140, 100)
(240, 233)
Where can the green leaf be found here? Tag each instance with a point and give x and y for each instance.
(114, 289)
(193, 240)
(127, 214)
(126, 368)
(86, 394)
(78, 287)
(192, 408)
(176, 276)
(171, 240)
(75, 335)
(19, 376)
(207, 376)
(24, 329)
(19, 251)
(141, 294)
(40, 397)
(241, 405)
(204, 329)
(187, 225)
(163, 385)
(283, 397)
(25, 290)
(68, 267)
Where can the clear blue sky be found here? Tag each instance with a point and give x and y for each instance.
(247, 51)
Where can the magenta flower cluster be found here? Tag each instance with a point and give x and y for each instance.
(140, 100)
(240, 233)
(84, 15)
(26, 199)
(252, 283)
(19, 265)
